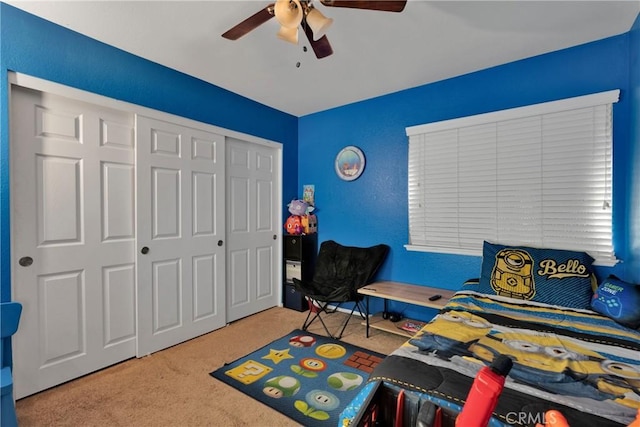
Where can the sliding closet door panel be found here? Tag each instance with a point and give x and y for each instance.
(73, 238)
(253, 228)
(181, 252)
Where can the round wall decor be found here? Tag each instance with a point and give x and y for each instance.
(349, 163)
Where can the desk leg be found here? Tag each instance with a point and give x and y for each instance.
(367, 317)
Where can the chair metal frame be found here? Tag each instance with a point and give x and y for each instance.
(321, 307)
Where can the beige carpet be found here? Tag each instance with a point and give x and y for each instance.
(173, 387)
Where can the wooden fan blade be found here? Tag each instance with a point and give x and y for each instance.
(383, 5)
(321, 47)
(250, 23)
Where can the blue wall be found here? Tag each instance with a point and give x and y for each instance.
(39, 48)
(374, 207)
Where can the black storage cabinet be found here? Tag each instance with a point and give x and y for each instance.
(299, 261)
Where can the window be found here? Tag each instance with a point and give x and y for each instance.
(538, 175)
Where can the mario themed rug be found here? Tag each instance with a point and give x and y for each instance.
(307, 377)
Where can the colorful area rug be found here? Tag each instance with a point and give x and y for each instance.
(307, 377)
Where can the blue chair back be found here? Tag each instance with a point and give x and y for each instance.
(9, 320)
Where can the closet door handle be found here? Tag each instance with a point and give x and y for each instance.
(25, 261)
(220, 242)
(144, 250)
(275, 237)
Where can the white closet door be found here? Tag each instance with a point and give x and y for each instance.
(73, 230)
(180, 241)
(253, 228)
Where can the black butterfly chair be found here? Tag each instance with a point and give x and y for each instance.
(340, 272)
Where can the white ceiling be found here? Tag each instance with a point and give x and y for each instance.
(375, 53)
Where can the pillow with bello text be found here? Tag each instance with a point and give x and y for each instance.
(618, 300)
(550, 276)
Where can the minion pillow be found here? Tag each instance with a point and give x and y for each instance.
(549, 276)
(618, 300)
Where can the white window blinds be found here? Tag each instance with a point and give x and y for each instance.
(537, 175)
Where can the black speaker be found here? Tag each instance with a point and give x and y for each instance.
(390, 315)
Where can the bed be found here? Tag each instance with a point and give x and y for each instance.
(574, 343)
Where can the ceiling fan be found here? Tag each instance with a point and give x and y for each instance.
(292, 14)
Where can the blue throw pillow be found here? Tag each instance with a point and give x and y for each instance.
(550, 276)
(618, 300)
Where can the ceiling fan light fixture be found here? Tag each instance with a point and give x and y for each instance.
(318, 23)
(288, 13)
(288, 34)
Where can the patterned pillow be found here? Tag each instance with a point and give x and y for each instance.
(550, 276)
(618, 300)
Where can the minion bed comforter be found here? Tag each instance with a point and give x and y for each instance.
(565, 356)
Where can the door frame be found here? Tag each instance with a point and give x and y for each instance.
(30, 82)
